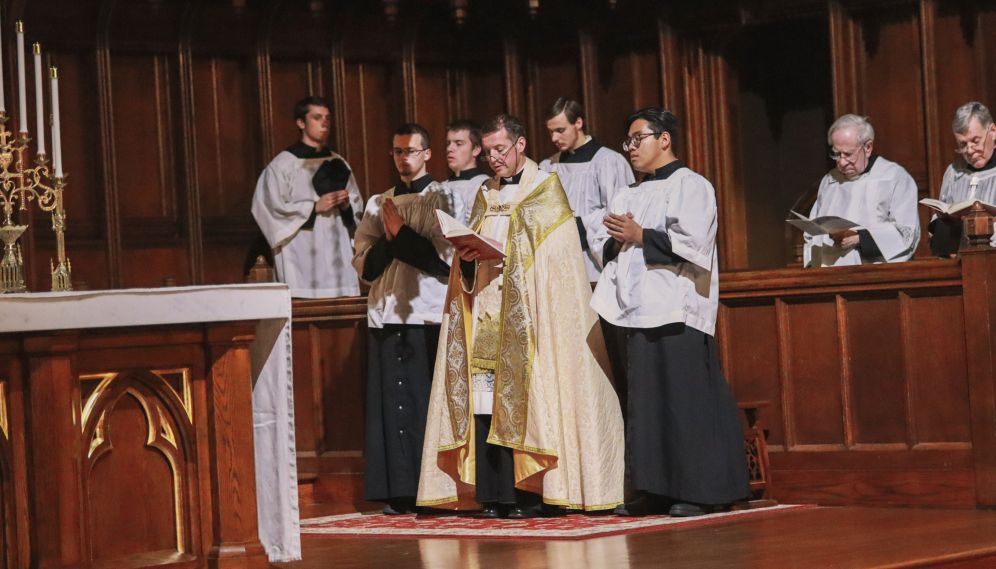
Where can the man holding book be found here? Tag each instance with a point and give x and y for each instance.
(876, 194)
(522, 411)
(401, 253)
(971, 177)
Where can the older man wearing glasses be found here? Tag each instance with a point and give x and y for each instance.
(877, 194)
(971, 177)
(522, 412)
(401, 253)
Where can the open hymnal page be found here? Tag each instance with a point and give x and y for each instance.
(824, 225)
(462, 236)
(959, 209)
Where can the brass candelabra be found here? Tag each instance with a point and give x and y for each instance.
(18, 186)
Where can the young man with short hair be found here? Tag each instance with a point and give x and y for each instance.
(660, 282)
(463, 150)
(401, 252)
(305, 203)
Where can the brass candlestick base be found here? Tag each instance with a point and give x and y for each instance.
(12, 265)
(18, 186)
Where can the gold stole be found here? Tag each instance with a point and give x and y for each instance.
(535, 217)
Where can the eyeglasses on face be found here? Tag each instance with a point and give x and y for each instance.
(499, 157)
(847, 157)
(405, 152)
(634, 141)
(967, 147)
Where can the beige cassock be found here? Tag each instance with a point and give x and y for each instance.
(553, 403)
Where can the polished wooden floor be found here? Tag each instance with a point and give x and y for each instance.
(845, 538)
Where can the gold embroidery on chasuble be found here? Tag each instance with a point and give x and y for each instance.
(535, 218)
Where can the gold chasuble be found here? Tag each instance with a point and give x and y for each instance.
(553, 403)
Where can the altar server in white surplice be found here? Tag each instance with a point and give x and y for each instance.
(660, 284)
(877, 194)
(589, 172)
(463, 149)
(401, 252)
(305, 203)
(975, 135)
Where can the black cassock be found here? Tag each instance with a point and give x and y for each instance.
(683, 436)
(400, 360)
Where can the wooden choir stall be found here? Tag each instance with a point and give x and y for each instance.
(879, 382)
(127, 427)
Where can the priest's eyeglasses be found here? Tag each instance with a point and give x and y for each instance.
(405, 152)
(634, 142)
(499, 157)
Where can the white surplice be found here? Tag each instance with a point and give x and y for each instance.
(956, 186)
(403, 294)
(590, 187)
(314, 263)
(633, 294)
(882, 201)
(467, 190)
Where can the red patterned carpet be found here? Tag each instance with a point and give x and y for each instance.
(573, 527)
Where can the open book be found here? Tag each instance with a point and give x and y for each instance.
(959, 209)
(821, 225)
(462, 236)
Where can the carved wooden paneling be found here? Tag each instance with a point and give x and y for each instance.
(290, 82)
(549, 79)
(143, 131)
(867, 371)
(435, 108)
(374, 109)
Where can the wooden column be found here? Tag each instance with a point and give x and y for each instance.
(233, 471)
(55, 449)
(979, 278)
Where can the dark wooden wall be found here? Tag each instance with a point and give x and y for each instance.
(171, 108)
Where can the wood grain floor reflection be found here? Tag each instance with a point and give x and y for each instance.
(844, 538)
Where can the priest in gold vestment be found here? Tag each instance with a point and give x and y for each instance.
(521, 410)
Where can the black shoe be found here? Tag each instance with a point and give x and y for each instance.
(525, 513)
(638, 507)
(684, 510)
(491, 511)
(399, 507)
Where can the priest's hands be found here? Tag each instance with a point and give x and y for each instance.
(468, 253)
(624, 228)
(847, 239)
(392, 219)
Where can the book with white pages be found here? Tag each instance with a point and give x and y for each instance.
(959, 209)
(462, 236)
(824, 225)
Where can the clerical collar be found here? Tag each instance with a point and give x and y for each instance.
(871, 162)
(584, 153)
(466, 175)
(416, 187)
(514, 180)
(302, 150)
(987, 166)
(664, 172)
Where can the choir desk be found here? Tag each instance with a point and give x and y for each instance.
(139, 427)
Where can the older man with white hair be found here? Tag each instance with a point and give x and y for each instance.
(971, 176)
(877, 194)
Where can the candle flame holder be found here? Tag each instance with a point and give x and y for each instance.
(18, 186)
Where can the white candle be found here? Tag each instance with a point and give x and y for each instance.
(56, 130)
(39, 98)
(1, 72)
(22, 86)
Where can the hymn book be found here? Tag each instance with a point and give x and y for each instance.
(462, 236)
(959, 209)
(824, 225)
